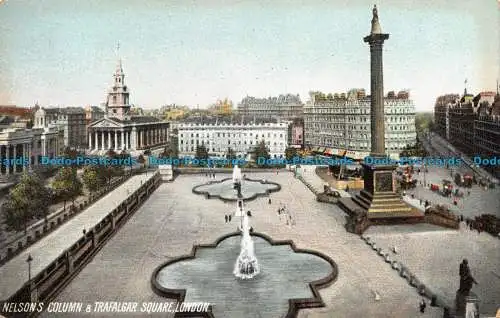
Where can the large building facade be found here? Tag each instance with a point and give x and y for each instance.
(29, 144)
(119, 130)
(70, 120)
(471, 123)
(283, 107)
(339, 124)
(242, 138)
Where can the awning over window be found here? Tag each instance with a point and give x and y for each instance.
(328, 151)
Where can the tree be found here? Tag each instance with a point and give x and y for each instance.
(290, 153)
(141, 160)
(92, 179)
(170, 151)
(261, 151)
(230, 156)
(66, 185)
(201, 152)
(27, 200)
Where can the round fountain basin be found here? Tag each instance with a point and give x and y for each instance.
(208, 277)
(224, 189)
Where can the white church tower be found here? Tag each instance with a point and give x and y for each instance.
(117, 104)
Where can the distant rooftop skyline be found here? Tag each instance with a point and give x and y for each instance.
(196, 52)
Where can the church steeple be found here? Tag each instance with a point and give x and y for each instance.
(117, 104)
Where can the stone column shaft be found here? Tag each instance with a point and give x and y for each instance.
(377, 114)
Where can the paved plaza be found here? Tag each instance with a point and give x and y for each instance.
(15, 272)
(479, 202)
(174, 219)
(433, 254)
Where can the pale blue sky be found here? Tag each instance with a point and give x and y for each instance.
(63, 52)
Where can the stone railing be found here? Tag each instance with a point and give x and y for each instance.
(204, 170)
(45, 286)
(41, 228)
(406, 274)
(309, 186)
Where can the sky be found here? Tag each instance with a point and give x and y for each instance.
(64, 52)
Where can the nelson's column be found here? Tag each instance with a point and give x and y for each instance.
(378, 202)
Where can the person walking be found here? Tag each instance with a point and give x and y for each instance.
(422, 306)
(229, 217)
(269, 201)
(226, 218)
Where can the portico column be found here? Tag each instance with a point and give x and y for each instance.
(116, 140)
(123, 139)
(109, 140)
(126, 140)
(96, 141)
(103, 144)
(30, 154)
(23, 156)
(1, 160)
(15, 157)
(139, 135)
(90, 140)
(133, 139)
(8, 156)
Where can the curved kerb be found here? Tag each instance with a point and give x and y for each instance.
(294, 304)
(250, 198)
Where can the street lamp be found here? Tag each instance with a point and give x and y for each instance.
(29, 260)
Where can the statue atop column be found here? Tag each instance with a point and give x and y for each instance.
(375, 14)
(466, 279)
(376, 29)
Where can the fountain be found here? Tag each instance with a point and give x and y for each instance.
(203, 276)
(246, 266)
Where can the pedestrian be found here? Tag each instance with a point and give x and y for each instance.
(269, 201)
(420, 201)
(229, 217)
(468, 193)
(226, 218)
(422, 306)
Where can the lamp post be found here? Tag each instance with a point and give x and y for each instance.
(29, 260)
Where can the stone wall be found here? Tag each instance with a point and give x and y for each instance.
(48, 283)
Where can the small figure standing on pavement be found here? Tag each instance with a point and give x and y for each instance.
(229, 218)
(422, 306)
(269, 201)
(226, 218)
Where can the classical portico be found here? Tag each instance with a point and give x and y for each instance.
(118, 130)
(22, 149)
(130, 135)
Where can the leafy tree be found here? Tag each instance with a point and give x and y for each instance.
(141, 160)
(114, 170)
(261, 151)
(230, 156)
(290, 153)
(16, 216)
(111, 154)
(27, 200)
(92, 179)
(66, 185)
(201, 152)
(170, 151)
(71, 154)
